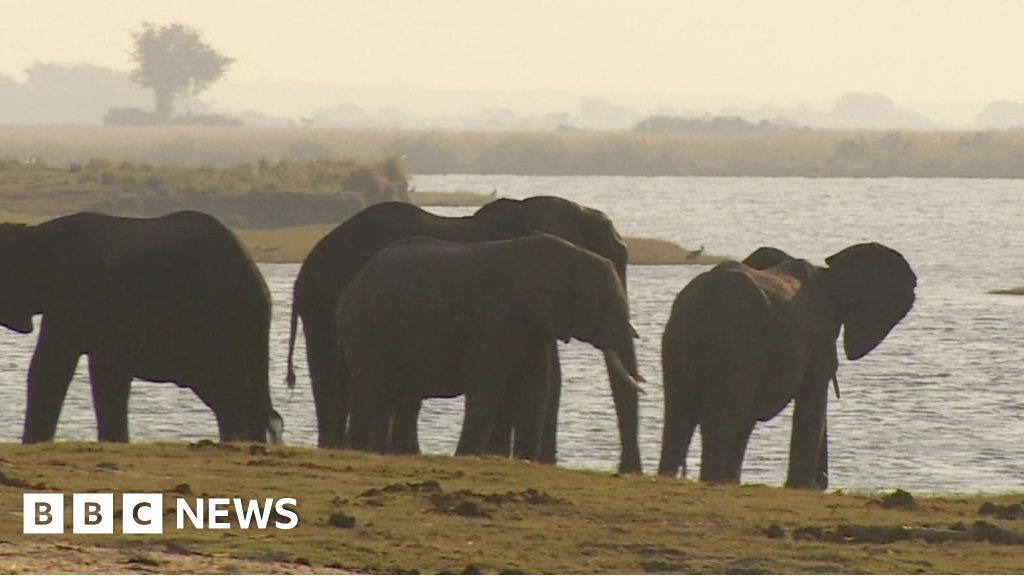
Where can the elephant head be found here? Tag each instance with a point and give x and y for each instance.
(582, 226)
(765, 257)
(19, 278)
(872, 289)
(592, 307)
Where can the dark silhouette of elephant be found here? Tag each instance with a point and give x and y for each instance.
(336, 260)
(744, 339)
(170, 299)
(429, 318)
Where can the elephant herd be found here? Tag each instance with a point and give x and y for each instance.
(398, 305)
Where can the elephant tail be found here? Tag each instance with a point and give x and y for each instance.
(259, 377)
(290, 378)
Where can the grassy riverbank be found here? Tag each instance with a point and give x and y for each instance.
(369, 513)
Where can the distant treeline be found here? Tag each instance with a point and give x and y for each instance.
(675, 150)
(264, 194)
(712, 124)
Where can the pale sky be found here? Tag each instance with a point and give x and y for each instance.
(915, 51)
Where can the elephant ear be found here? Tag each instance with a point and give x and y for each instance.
(20, 274)
(872, 287)
(766, 257)
(601, 238)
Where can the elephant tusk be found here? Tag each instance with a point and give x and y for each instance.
(636, 335)
(634, 383)
(835, 385)
(622, 373)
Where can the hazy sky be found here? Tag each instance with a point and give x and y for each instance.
(915, 51)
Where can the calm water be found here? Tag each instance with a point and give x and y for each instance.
(939, 406)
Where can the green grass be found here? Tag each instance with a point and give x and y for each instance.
(492, 514)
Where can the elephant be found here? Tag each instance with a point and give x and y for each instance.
(337, 258)
(169, 299)
(430, 318)
(745, 338)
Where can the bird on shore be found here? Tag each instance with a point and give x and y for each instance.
(695, 253)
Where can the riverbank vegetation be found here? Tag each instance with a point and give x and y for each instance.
(370, 513)
(778, 152)
(279, 209)
(263, 194)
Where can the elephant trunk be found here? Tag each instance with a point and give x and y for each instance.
(623, 377)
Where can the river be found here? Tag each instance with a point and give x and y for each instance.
(937, 407)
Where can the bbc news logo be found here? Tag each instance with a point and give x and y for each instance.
(144, 513)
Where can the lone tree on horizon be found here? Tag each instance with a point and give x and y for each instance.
(173, 60)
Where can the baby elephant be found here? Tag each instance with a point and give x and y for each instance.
(744, 339)
(427, 318)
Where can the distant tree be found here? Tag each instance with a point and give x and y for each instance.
(174, 60)
(874, 111)
(1002, 114)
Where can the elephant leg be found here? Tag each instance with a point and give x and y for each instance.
(805, 447)
(481, 410)
(404, 432)
(377, 427)
(49, 375)
(720, 432)
(531, 404)
(501, 432)
(370, 424)
(627, 413)
(549, 440)
(225, 394)
(325, 368)
(485, 377)
(231, 424)
(372, 402)
(500, 443)
(734, 458)
(110, 390)
(681, 419)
